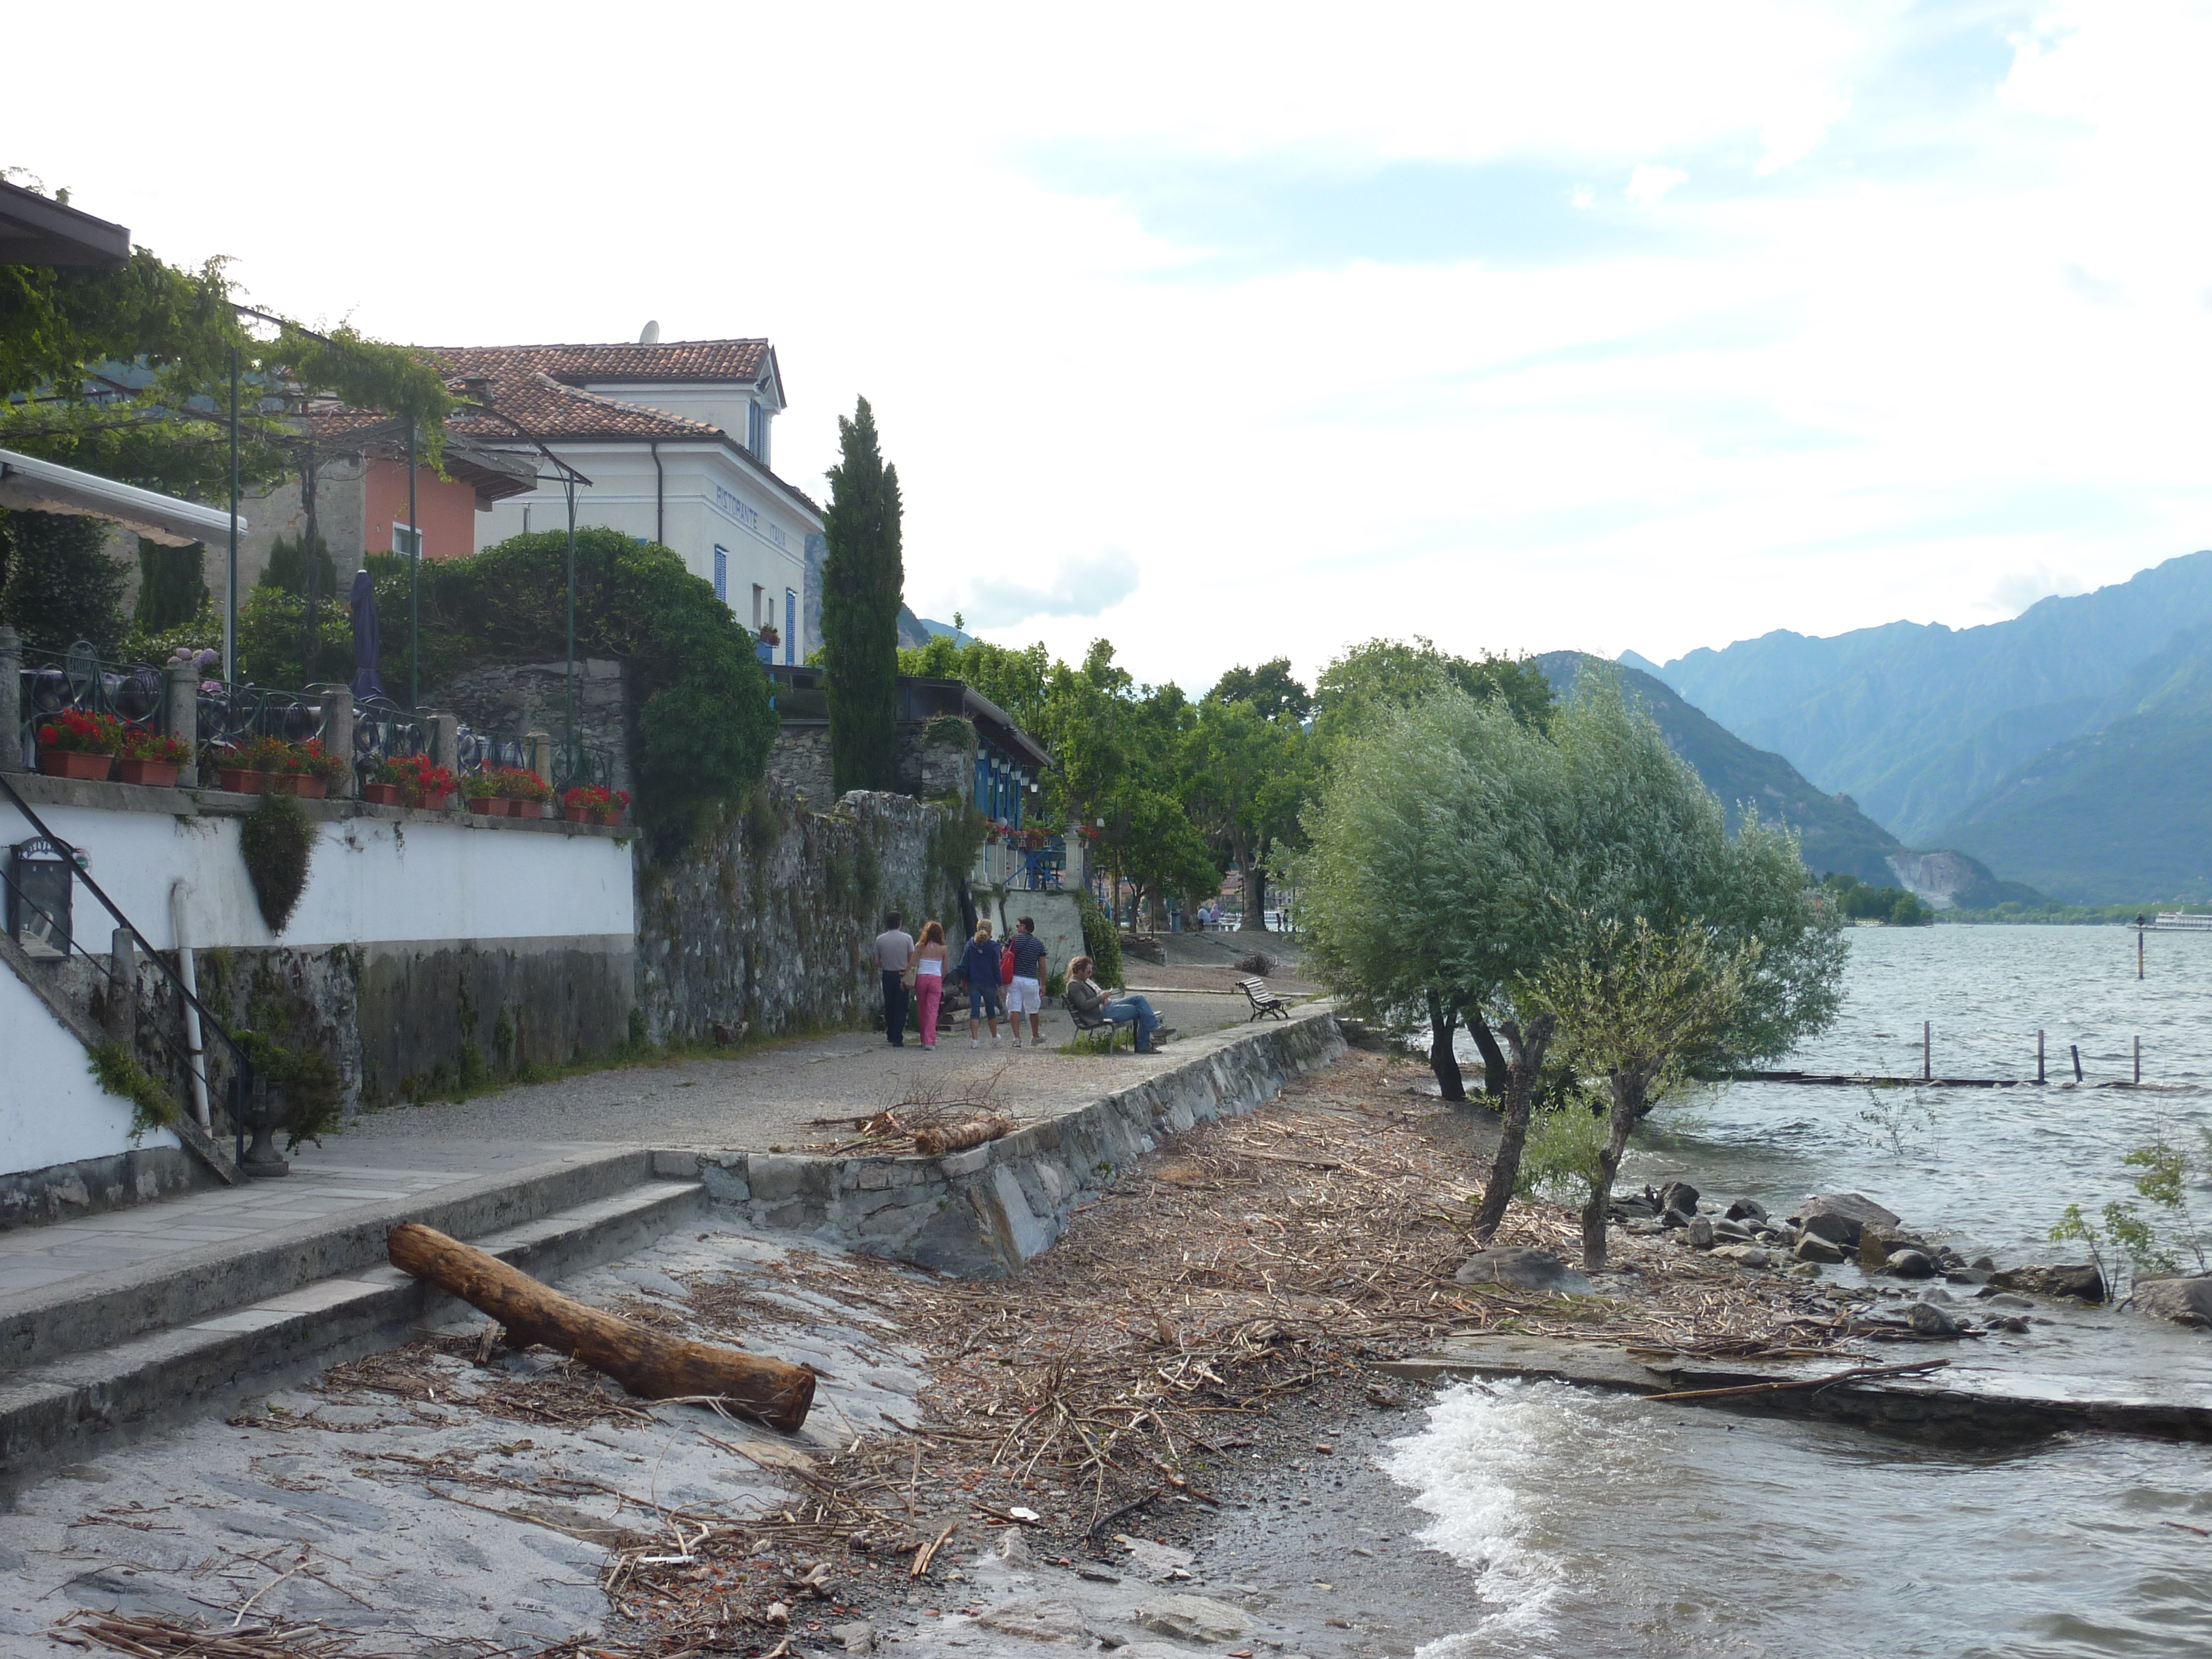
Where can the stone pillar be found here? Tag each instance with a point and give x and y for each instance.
(445, 741)
(182, 690)
(1077, 877)
(337, 738)
(122, 1021)
(538, 754)
(11, 706)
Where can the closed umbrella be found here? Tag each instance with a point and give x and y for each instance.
(366, 641)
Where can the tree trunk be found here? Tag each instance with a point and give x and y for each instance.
(1628, 1088)
(646, 1363)
(1444, 1021)
(1494, 1069)
(1526, 1046)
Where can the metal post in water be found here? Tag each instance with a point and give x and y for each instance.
(2039, 1055)
(1927, 1051)
(2076, 1048)
(2138, 1060)
(2140, 923)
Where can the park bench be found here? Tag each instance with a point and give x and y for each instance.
(1097, 1019)
(1263, 1001)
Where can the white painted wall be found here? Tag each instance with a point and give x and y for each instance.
(708, 498)
(368, 880)
(51, 1110)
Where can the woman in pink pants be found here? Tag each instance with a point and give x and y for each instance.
(929, 980)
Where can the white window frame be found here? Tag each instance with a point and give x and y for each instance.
(400, 535)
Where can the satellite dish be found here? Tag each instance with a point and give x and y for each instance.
(649, 335)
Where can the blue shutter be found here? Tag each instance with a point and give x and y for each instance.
(722, 574)
(790, 625)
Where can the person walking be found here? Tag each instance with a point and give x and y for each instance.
(1025, 995)
(1087, 996)
(894, 950)
(929, 980)
(980, 963)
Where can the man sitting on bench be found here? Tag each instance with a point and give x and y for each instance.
(1088, 1003)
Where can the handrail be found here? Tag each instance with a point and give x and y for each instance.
(242, 1077)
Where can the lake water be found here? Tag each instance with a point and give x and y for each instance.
(1600, 1525)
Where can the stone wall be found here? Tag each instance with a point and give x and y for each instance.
(984, 1212)
(771, 919)
(511, 699)
(927, 771)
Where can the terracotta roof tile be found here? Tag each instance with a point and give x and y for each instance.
(678, 360)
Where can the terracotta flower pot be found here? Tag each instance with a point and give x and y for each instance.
(300, 784)
(435, 803)
(244, 779)
(152, 773)
(383, 794)
(609, 816)
(490, 806)
(69, 763)
(579, 815)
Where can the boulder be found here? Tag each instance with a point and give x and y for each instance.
(2082, 1281)
(1932, 1321)
(1517, 1267)
(1907, 1264)
(1676, 1219)
(1678, 1196)
(1878, 1241)
(1196, 1619)
(1840, 1216)
(1814, 1248)
(2185, 1301)
(1747, 1209)
(1998, 1298)
(1987, 1264)
(1700, 1232)
(1744, 1255)
(2010, 1322)
(1725, 1228)
(1806, 1270)
(859, 1639)
(1968, 1275)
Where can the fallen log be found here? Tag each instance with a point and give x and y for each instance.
(648, 1363)
(934, 1143)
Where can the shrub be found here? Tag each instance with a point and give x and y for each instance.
(1101, 942)
(61, 586)
(276, 841)
(1259, 962)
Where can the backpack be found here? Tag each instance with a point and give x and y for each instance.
(1007, 966)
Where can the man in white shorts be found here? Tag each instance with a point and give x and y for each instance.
(1026, 993)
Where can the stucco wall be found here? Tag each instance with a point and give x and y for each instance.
(51, 1110)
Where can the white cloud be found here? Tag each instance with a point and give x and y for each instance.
(1649, 183)
(1857, 387)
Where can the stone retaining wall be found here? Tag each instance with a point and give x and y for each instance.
(985, 1211)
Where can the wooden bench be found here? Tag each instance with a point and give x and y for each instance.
(1263, 1001)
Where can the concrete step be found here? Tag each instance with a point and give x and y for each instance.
(99, 1310)
(161, 1372)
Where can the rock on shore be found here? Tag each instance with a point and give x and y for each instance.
(2187, 1301)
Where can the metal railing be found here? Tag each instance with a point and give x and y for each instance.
(231, 715)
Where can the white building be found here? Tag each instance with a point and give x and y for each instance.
(676, 440)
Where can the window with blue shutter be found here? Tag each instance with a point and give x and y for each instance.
(722, 574)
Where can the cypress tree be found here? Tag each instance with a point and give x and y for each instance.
(863, 584)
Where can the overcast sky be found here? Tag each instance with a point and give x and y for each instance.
(1233, 332)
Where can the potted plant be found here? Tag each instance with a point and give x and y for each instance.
(314, 769)
(481, 791)
(246, 769)
(149, 758)
(582, 803)
(409, 780)
(525, 792)
(612, 808)
(75, 745)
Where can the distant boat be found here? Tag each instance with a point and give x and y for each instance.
(2183, 921)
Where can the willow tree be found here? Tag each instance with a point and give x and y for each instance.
(1686, 950)
(863, 585)
(1439, 845)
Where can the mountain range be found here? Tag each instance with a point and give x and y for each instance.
(2067, 747)
(1833, 834)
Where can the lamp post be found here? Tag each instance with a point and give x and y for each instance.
(230, 570)
(414, 581)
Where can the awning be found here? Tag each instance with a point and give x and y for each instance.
(37, 230)
(38, 486)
